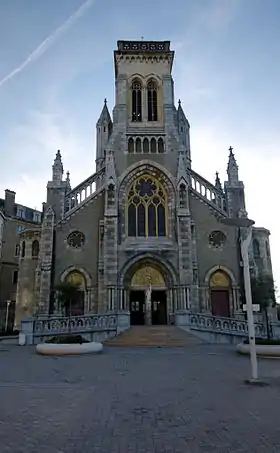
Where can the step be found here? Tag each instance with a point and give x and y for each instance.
(154, 336)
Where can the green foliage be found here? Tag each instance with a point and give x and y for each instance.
(263, 291)
(67, 293)
(67, 339)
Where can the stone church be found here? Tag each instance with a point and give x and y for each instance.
(143, 233)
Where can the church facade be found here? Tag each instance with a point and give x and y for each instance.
(142, 234)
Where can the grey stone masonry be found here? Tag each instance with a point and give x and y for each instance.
(46, 261)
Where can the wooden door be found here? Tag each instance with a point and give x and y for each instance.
(137, 305)
(220, 303)
(159, 309)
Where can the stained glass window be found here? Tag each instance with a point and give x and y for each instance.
(146, 208)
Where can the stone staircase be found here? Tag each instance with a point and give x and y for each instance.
(154, 337)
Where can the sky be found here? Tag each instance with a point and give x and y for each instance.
(56, 68)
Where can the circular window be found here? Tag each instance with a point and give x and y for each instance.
(217, 239)
(76, 239)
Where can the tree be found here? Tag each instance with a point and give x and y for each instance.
(263, 294)
(67, 293)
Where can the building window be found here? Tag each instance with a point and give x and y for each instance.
(17, 250)
(136, 92)
(138, 145)
(145, 145)
(152, 101)
(146, 208)
(20, 213)
(35, 249)
(217, 239)
(76, 239)
(256, 248)
(131, 145)
(160, 146)
(15, 277)
(153, 145)
(36, 217)
(23, 249)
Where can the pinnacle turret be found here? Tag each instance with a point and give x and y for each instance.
(181, 115)
(105, 116)
(232, 167)
(68, 180)
(57, 169)
(218, 184)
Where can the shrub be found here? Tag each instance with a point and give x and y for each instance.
(265, 341)
(67, 339)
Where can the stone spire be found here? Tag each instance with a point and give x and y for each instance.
(183, 130)
(104, 128)
(105, 117)
(68, 184)
(234, 188)
(218, 184)
(181, 115)
(232, 167)
(57, 169)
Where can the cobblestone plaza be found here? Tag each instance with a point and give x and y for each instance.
(153, 400)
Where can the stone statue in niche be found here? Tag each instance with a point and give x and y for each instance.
(182, 196)
(111, 195)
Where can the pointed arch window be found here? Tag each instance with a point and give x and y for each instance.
(35, 249)
(152, 101)
(256, 248)
(146, 208)
(131, 145)
(136, 92)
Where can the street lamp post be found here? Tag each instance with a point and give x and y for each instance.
(245, 226)
(7, 315)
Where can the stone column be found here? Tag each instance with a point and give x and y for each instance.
(148, 307)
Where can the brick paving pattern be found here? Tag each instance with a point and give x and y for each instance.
(127, 401)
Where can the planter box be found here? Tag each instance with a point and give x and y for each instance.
(68, 349)
(261, 349)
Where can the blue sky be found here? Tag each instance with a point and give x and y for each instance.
(226, 72)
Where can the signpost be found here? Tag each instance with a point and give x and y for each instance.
(255, 307)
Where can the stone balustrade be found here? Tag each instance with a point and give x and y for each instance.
(229, 326)
(207, 191)
(84, 191)
(93, 327)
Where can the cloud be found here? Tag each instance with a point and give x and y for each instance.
(49, 41)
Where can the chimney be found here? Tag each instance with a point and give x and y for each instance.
(10, 197)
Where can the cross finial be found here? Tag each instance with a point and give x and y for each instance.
(179, 102)
(142, 38)
(230, 149)
(105, 101)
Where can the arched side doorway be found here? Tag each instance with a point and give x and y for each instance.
(77, 279)
(220, 290)
(148, 296)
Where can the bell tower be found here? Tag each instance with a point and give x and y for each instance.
(144, 85)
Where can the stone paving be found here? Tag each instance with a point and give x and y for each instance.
(127, 401)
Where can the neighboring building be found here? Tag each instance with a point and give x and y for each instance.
(16, 218)
(2, 220)
(143, 232)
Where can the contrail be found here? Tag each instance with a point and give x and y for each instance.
(44, 46)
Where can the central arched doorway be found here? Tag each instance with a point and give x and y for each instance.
(148, 296)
